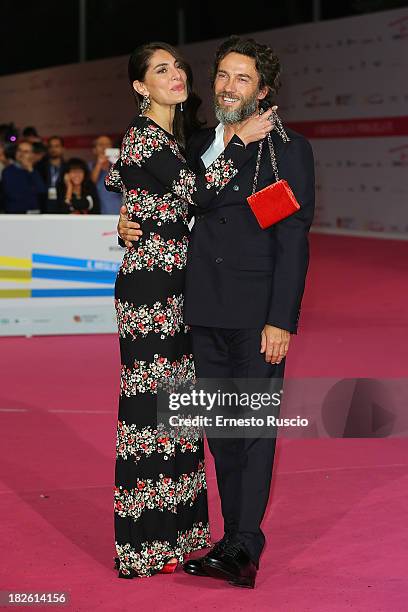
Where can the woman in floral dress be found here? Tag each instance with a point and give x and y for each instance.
(160, 497)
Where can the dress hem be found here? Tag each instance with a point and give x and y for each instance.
(156, 570)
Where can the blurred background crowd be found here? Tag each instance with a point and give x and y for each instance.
(37, 177)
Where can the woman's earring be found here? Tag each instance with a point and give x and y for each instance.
(145, 104)
(181, 106)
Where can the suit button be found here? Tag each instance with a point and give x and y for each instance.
(236, 187)
(219, 260)
(199, 217)
(223, 219)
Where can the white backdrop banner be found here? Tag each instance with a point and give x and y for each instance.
(57, 274)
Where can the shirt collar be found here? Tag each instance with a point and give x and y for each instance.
(219, 131)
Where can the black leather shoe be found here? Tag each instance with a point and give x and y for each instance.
(195, 566)
(233, 564)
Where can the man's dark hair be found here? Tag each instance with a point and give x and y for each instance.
(266, 61)
(30, 131)
(56, 138)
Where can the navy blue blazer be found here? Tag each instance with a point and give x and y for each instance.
(239, 275)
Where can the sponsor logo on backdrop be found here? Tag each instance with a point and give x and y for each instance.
(343, 99)
(399, 28)
(375, 98)
(345, 222)
(399, 156)
(374, 226)
(314, 98)
(87, 318)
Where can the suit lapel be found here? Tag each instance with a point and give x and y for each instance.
(204, 146)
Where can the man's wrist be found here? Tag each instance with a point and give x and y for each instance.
(244, 142)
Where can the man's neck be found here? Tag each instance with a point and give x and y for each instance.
(163, 116)
(55, 161)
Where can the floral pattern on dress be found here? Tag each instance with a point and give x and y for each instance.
(153, 555)
(165, 208)
(217, 176)
(138, 321)
(135, 443)
(184, 185)
(113, 179)
(162, 494)
(156, 252)
(220, 172)
(149, 376)
(140, 144)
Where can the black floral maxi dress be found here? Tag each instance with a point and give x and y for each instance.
(160, 494)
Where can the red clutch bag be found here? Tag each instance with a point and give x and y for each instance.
(277, 201)
(272, 204)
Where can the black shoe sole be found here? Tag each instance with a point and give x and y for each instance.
(246, 583)
(216, 570)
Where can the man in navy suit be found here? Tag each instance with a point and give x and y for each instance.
(243, 291)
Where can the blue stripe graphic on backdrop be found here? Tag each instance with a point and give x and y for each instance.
(59, 293)
(82, 276)
(75, 262)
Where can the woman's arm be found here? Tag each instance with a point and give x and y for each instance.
(150, 147)
(113, 181)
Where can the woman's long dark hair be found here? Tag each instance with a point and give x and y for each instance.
(87, 186)
(185, 122)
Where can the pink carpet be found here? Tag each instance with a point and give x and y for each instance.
(336, 524)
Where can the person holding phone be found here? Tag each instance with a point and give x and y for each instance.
(77, 194)
(110, 202)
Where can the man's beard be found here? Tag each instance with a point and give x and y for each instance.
(247, 108)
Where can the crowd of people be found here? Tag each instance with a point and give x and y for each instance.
(36, 177)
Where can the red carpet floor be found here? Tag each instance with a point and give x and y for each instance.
(336, 524)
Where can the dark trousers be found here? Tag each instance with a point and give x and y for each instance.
(244, 465)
